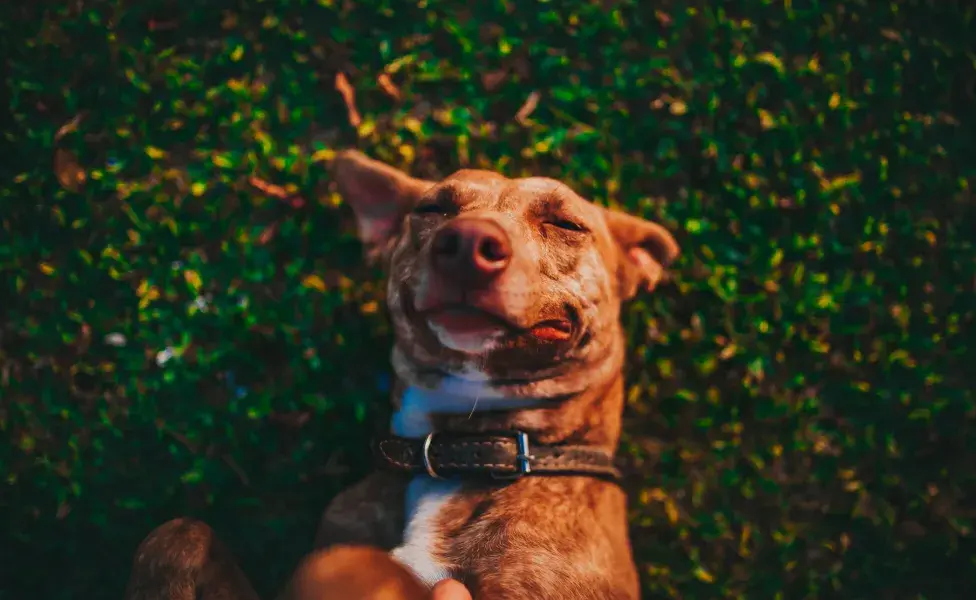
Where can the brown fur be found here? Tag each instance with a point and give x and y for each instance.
(541, 538)
(571, 263)
(182, 559)
(369, 512)
(535, 538)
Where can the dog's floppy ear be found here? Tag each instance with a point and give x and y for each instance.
(380, 195)
(645, 249)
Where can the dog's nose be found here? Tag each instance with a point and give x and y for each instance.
(472, 250)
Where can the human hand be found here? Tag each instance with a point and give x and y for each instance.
(450, 589)
(364, 574)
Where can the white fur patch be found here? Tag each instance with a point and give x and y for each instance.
(427, 496)
(425, 499)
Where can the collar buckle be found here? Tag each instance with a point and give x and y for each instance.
(523, 465)
(426, 457)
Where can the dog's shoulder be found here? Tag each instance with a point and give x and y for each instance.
(370, 512)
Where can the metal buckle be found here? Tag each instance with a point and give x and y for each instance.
(522, 458)
(523, 465)
(426, 456)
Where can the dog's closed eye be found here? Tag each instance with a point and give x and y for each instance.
(443, 202)
(567, 224)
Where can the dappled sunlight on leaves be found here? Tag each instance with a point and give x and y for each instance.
(186, 325)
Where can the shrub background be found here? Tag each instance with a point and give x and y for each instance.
(185, 326)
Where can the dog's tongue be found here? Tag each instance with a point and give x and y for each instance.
(469, 321)
(551, 331)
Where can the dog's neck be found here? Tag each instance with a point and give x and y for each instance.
(582, 406)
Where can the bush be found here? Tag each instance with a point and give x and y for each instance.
(186, 326)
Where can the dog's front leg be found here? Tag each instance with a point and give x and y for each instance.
(369, 513)
(182, 559)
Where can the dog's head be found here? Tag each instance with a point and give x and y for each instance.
(513, 281)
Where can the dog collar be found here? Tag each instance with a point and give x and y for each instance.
(498, 455)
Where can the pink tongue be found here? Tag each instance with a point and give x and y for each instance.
(550, 333)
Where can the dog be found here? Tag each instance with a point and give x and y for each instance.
(505, 298)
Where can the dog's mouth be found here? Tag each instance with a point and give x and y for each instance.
(473, 326)
(463, 319)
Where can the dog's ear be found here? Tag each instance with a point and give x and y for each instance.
(380, 195)
(645, 250)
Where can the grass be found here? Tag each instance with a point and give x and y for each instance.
(187, 329)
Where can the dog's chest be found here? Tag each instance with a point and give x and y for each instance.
(426, 502)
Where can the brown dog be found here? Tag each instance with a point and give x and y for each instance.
(505, 299)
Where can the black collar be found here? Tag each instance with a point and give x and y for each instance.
(495, 455)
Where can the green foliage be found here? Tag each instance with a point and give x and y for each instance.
(181, 332)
